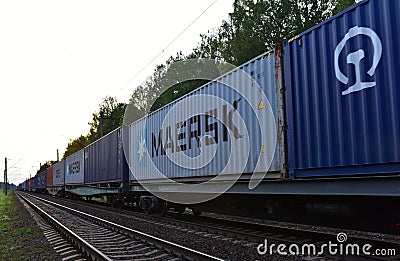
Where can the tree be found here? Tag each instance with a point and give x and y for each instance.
(168, 82)
(256, 26)
(75, 145)
(109, 117)
(342, 5)
(44, 166)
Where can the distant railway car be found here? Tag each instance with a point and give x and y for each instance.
(22, 186)
(58, 177)
(29, 184)
(105, 161)
(74, 169)
(49, 179)
(59, 173)
(34, 183)
(99, 169)
(41, 181)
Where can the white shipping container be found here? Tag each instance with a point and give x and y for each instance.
(74, 169)
(58, 173)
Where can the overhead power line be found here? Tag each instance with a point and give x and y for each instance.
(168, 45)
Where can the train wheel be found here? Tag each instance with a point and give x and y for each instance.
(180, 208)
(197, 211)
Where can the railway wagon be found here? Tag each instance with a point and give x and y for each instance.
(57, 178)
(29, 184)
(99, 169)
(233, 119)
(23, 186)
(49, 179)
(74, 170)
(34, 185)
(104, 160)
(322, 110)
(39, 182)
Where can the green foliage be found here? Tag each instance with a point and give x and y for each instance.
(256, 26)
(342, 5)
(20, 238)
(113, 113)
(76, 145)
(112, 116)
(179, 76)
(45, 165)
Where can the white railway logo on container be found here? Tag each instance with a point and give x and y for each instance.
(356, 57)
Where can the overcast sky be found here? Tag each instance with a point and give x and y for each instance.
(58, 59)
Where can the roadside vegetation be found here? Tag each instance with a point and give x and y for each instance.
(20, 237)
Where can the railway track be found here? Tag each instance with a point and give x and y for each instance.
(99, 239)
(248, 235)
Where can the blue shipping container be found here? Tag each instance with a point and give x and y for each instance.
(343, 96)
(41, 179)
(59, 173)
(209, 131)
(35, 182)
(105, 161)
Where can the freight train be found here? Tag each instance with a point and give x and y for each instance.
(310, 127)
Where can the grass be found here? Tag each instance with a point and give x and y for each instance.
(20, 238)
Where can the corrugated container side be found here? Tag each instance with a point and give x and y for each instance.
(35, 182)
(186, 136)
(74, 168)
(41, 179)
(104, 160)
(343, 96)
(58, 173)
(49, 177)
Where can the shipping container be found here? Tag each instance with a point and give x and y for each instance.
(49, 176)
(24, 185)
(105, 161)
(227, 126)
(30, 183)
(41, 180)
(343, 98)
(34, 182)
(58, 173)
(74, 169)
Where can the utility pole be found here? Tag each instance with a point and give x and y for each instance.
(5, 176)
(58, 156)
